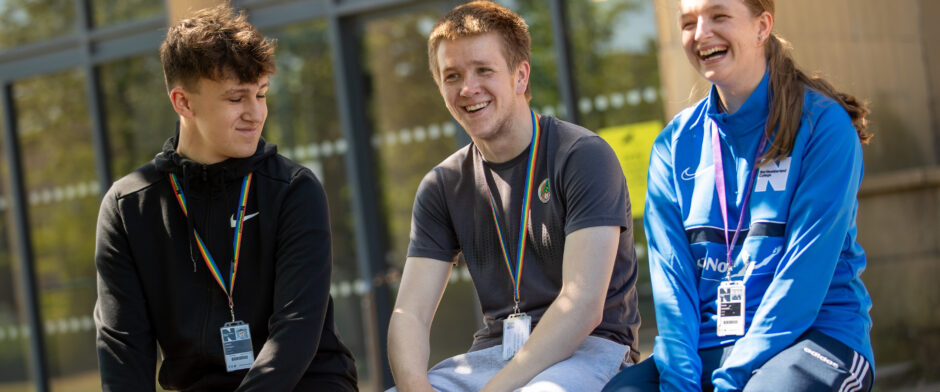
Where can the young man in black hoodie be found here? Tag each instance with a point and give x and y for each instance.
(218, 250)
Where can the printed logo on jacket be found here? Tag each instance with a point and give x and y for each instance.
(773, 174)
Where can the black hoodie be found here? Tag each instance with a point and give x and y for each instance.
(155, 289)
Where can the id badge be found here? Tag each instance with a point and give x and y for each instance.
(236, 345)
(516, 329)
(731, 308)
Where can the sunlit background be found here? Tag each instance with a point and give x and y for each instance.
(83, 103)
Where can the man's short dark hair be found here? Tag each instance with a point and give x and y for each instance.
(215, 43)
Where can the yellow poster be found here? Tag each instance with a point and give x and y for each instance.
(632, 144)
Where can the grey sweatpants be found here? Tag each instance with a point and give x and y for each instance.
(588, 369)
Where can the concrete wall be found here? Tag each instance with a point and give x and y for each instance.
(886, 52)
(897, 223)
(929, 28)
(180, 9)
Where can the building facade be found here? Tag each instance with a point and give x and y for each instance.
(83, 102)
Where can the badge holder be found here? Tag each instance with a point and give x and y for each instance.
(236, 345)
(516, 329)
(731, 308)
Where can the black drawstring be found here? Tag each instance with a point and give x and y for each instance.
(189, 221)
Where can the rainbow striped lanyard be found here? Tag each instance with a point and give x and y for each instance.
(236, 242)
(515, 271)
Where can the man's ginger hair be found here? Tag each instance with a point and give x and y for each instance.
(481, 17)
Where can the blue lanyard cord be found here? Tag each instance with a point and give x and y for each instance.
(720, 187)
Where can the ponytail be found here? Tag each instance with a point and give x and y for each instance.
(787, 86)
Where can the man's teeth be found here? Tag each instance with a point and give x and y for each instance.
(476, 107)
(711, 51)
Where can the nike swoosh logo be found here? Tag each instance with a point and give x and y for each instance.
(685, 175)
(246, 217)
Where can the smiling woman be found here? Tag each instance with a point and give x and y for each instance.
(724, 43)
(748, 297)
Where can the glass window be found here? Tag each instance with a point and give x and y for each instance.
(303, 121)
(139, 115)
(106, 12)
(543, 78)
(27, 21)
(616, 72)
(14, 342)
(413, 132)
(63, 194)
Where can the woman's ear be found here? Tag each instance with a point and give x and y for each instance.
(765, 26)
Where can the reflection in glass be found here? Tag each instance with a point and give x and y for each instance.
(616, 71)
(106, 12)
(615, 62)
(27, 21)
(303, 121)
(62, 194)
(413, 132)
(543, 80)
(14, 344)
(139, 115)
(408, 116)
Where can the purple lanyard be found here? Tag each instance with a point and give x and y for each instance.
(720, 185)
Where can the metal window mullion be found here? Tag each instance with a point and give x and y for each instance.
(569, 93)
(99, 134)
(99, 131)
(19, 208)
(366, 199)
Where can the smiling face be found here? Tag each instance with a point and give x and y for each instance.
(479, 88)
(220, 119)
(724, 40)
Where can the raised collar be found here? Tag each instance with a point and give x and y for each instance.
(750, 117)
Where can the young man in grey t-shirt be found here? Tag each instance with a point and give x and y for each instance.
(558, 297)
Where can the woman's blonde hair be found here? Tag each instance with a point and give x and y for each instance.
(787, 87)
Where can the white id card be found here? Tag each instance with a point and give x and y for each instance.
(236, 345)
(731, 308)
(516, 329)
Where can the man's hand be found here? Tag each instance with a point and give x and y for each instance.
(579, 308)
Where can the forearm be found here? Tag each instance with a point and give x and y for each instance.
(408, 352)
(285, 356)
(563, 327)
(127, 352)
(821, 216)
(301, 288)
(673, 275)
(409, 330)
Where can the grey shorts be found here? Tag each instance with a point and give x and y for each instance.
(594, 363)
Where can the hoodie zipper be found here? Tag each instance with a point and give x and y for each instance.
(208, 308)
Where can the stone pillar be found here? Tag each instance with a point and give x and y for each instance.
(180, 9)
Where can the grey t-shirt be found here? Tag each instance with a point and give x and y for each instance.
(452, 214)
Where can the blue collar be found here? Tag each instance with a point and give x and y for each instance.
(751, 116)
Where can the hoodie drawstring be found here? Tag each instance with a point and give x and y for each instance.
(189, 221)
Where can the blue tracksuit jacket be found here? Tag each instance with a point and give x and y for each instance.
(798, 242)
